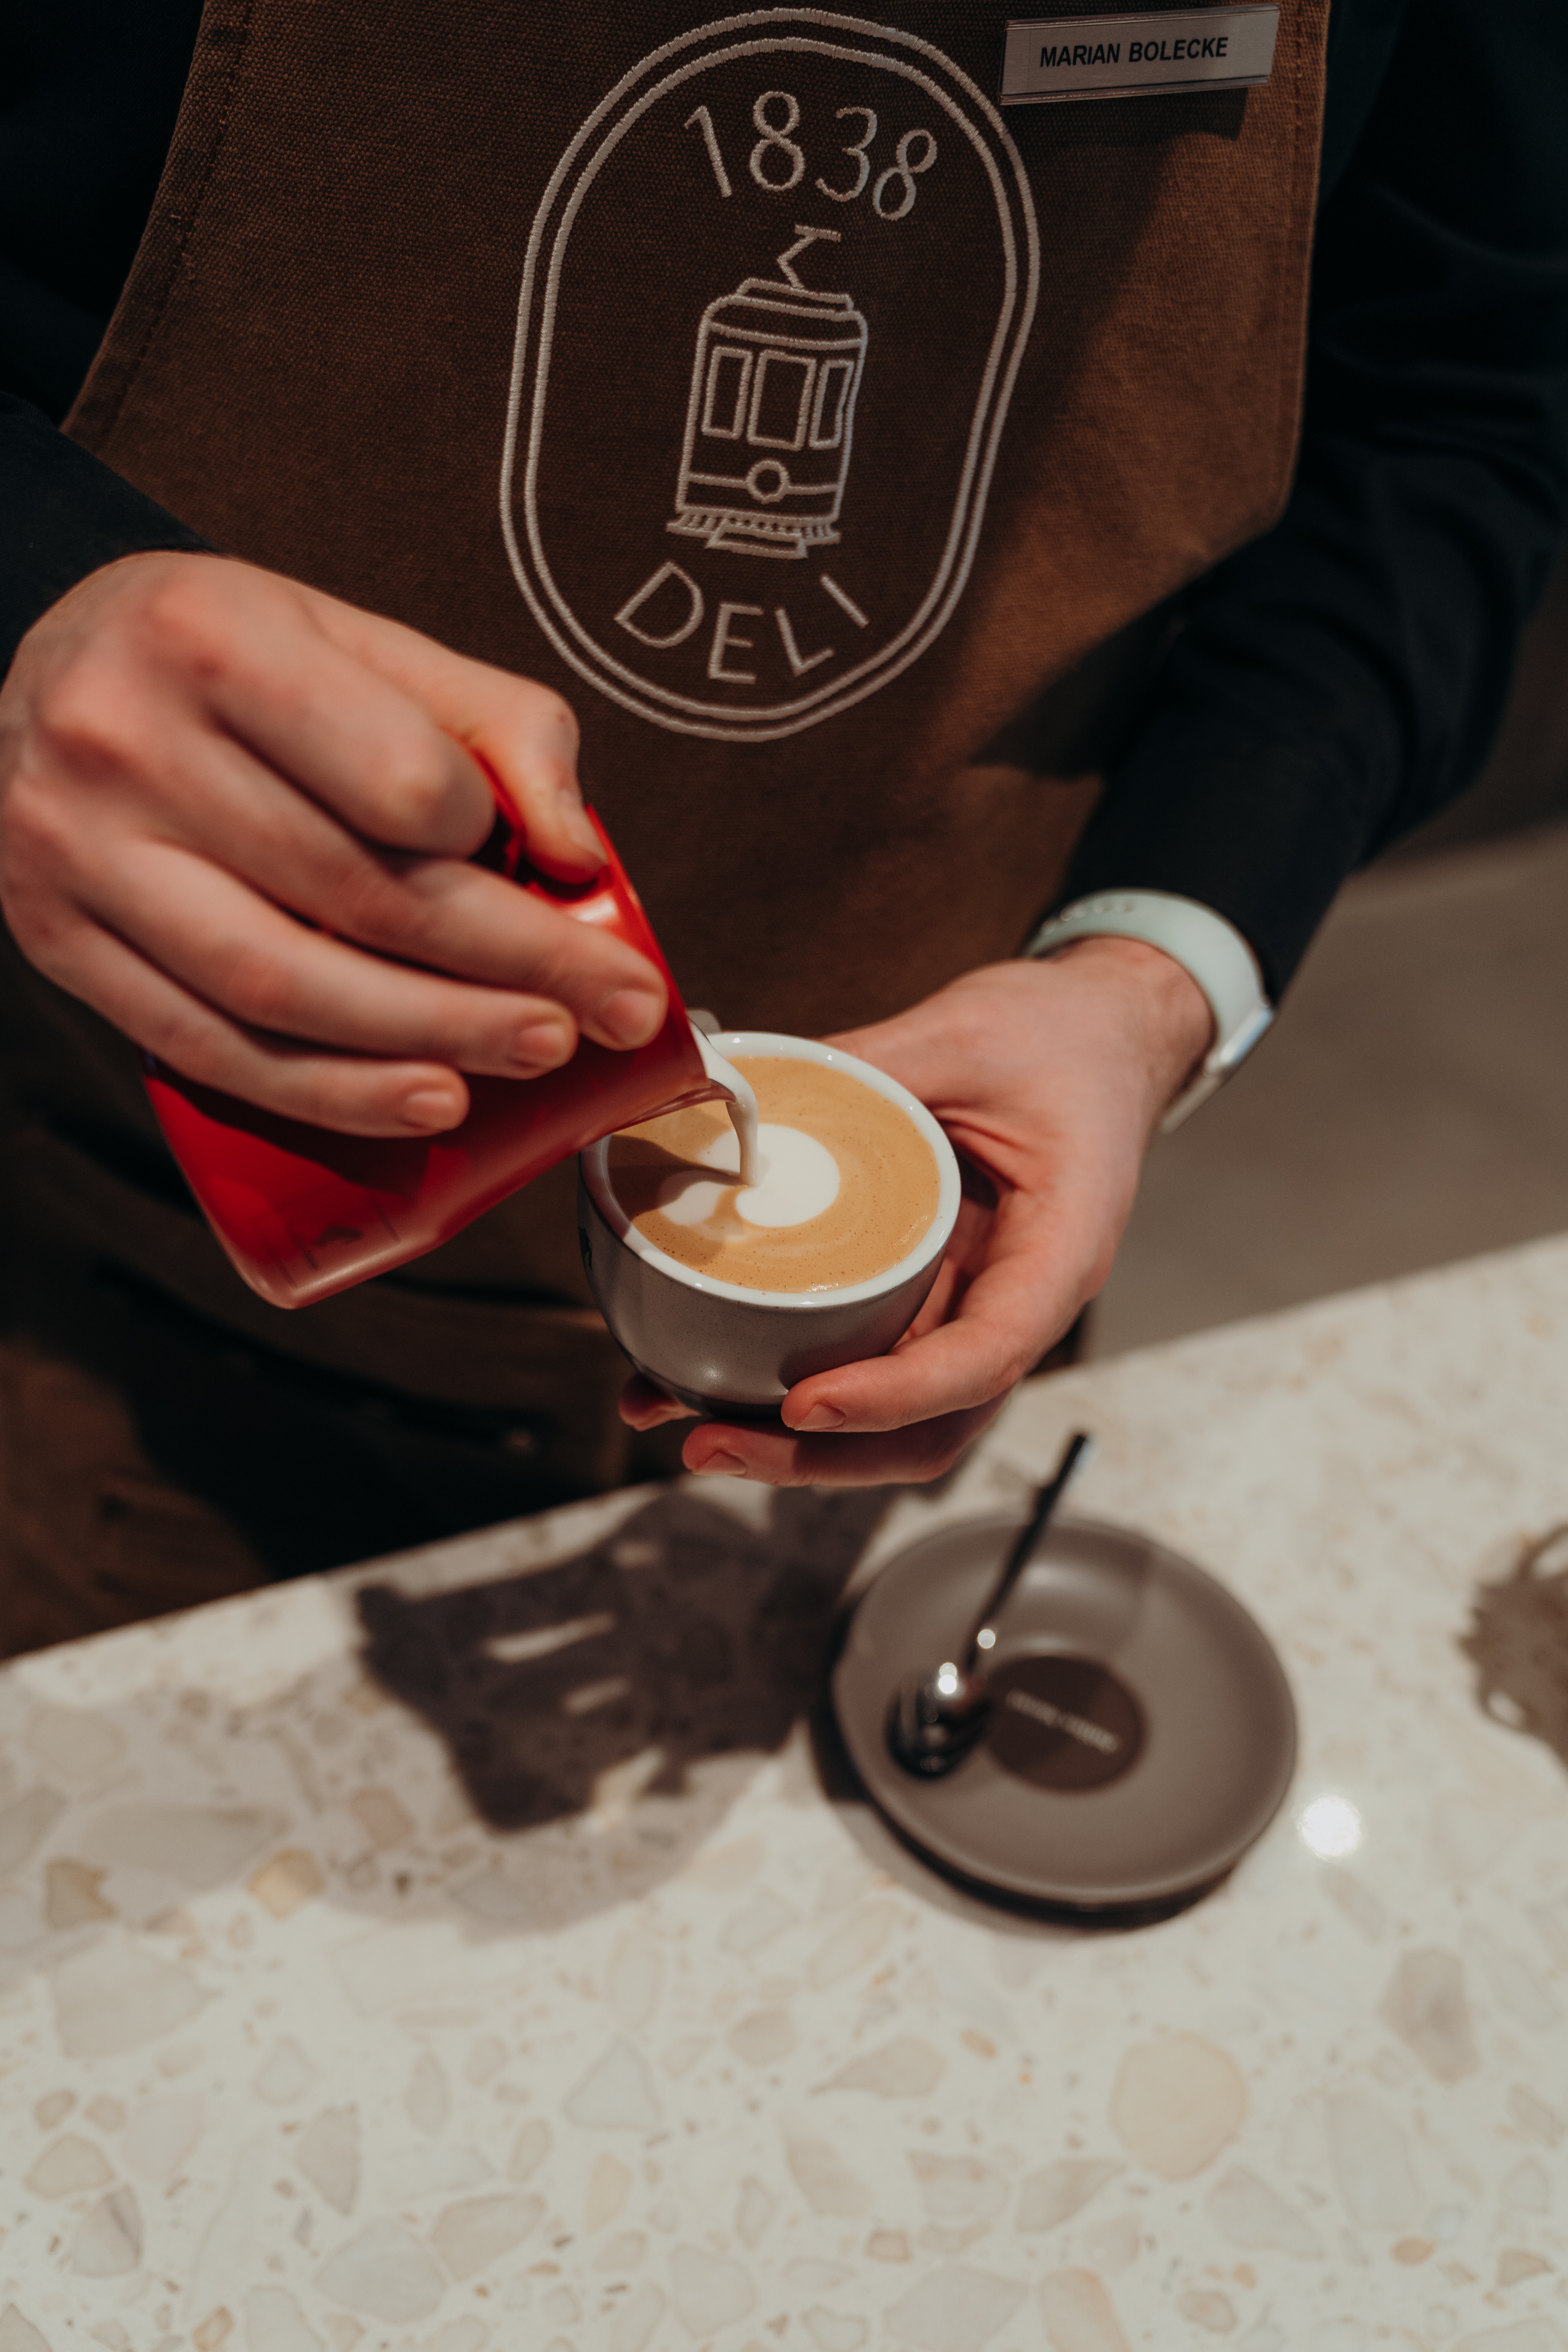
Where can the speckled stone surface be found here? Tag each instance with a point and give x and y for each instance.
(462, 1952)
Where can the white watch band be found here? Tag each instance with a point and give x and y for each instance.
(1211, 950)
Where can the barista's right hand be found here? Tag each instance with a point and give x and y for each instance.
(235, 817)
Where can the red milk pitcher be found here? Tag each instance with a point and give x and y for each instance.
(304, 1212)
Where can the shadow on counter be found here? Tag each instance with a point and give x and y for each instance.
(682, 1639)
(683, 1636)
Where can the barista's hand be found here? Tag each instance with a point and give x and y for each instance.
(233, 814)
(1049, 1077)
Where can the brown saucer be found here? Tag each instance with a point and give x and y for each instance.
(1143, 1733)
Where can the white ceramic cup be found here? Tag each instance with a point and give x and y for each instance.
(722, 1347)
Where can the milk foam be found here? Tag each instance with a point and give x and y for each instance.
(850, 1186)
(798, 1178)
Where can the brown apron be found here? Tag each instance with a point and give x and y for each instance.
(829, 439)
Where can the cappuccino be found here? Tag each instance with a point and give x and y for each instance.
(849, 1184)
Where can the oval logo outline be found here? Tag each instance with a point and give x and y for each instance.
(594, 144)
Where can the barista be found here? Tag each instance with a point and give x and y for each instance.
(1004, 496)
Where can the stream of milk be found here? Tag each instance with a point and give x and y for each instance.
(742, 1107)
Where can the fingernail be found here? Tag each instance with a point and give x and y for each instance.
(631, 1016)
(722, 1465)
(580, 825)
(821, 1416)
(543, 1044)
(428, 1109)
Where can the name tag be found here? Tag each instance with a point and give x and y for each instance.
(1144, 56)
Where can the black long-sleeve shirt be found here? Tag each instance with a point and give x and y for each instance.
(1334, 682)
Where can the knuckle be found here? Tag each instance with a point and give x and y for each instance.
(48, 930)
(551, 717)
(556, 958)
(421, 803)
(37, 836)
(94, 723)
(80, 719)
(188, 1044)
(39, 880)
(180, 612)
(372, 903)
(261, 987)
(554, 973)
(424, 780)
(388, 906)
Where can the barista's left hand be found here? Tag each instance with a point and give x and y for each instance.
(1050, 1078)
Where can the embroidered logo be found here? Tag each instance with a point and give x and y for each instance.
(775, 302)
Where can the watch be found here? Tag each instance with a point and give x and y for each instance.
(1210, 950)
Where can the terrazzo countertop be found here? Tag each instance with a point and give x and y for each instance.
(461, 1951)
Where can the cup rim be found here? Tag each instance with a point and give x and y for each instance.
(774, 1044)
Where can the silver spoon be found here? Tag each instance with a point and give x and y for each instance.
(938, 1719)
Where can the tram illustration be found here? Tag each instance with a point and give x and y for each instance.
(769, 419)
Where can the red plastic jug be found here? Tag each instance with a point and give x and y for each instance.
(304, 1212)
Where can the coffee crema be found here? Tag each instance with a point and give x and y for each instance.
(850, 1183)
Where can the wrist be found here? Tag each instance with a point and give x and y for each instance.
(1172, 1019)
(1209, 949)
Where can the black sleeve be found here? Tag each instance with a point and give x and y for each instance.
(89, 91)
(1342, 678)
(63, 516)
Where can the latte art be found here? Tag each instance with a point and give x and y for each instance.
(798, 1178)
(848, 1183)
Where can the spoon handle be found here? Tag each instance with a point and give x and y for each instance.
(1079, 1444)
